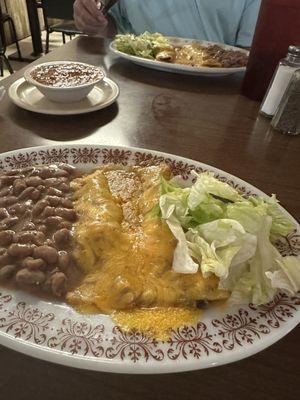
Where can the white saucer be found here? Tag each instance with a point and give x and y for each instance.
(27, 96)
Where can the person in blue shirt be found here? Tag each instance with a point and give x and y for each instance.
(224, 21)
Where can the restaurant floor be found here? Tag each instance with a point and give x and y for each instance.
(26, 48)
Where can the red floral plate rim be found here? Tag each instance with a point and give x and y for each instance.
(54, 332)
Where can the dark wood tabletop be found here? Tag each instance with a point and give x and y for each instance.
(205, 119)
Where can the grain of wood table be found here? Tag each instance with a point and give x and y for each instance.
(205, 119)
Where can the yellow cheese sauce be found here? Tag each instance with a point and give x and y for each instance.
(126, 254)
(157, 322)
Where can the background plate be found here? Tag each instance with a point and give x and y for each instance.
(55, 332)
(27, 96)
(178, 68)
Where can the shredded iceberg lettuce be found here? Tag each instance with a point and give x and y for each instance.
(146, 45)
(223, 233)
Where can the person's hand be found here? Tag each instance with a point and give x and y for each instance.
(88, 18)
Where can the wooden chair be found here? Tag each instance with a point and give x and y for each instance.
(5, 17)
(3, 58)
(59, 9)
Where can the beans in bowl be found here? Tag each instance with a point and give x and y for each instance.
(64, 75)
(36, 217)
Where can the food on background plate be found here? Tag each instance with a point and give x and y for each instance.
(155, 46)
(138, 244)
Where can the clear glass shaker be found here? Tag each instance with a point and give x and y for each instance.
(280, 81)
(287, 117)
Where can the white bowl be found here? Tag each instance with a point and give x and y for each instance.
(70, 94)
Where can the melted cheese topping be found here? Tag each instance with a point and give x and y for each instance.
(157, 322)
(196, 56)
(125, 253)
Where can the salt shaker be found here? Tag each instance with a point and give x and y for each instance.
(287, 116)
(280, 81)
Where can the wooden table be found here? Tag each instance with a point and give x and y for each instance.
(201, 118)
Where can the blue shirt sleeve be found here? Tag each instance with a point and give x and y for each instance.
(247, 24)
(119, 14)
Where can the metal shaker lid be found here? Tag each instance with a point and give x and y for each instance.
(294, 50)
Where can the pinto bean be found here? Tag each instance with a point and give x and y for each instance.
(14, 171)
(18, 186)
(35, 171)
(20, 250)
(26, 194)
(8, 179)
(39, 207)
(127, 298)
(62, 237)
(35, 195)
(69, 168)
(39, 238)
(45, 172)
(7, 223)
(48, 212)
(63, 260)
(60, 173)
(33, 181)
(33, 237)
(3, 202)
(5, 259)
(6, 237)
(47, 253)
(64, 187)
(42, 228)
(17, 209)
(54, 201)
(33, 263)
(58, 283)
(5, 192)
(41, 188)
(66, 213)
(30, 277)
(7, 272)
(66, 203)
(29, 226)
(65, 224)
(26, 170)
(148, 296)
(49, 242)
(28, 212)
(3, 213)
(55, 192)
(52, 182)
(53, 221)
(11, 200)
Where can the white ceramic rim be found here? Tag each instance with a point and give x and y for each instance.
(13, 94)
(29, 79)
(108, 365)
(179, 67)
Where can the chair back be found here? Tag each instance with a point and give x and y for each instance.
(58, 9)
(2, 43)
(1, 10)
(2, 35)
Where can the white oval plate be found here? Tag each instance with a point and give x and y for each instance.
(55, 332)
(27, 96)
(178, 68)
